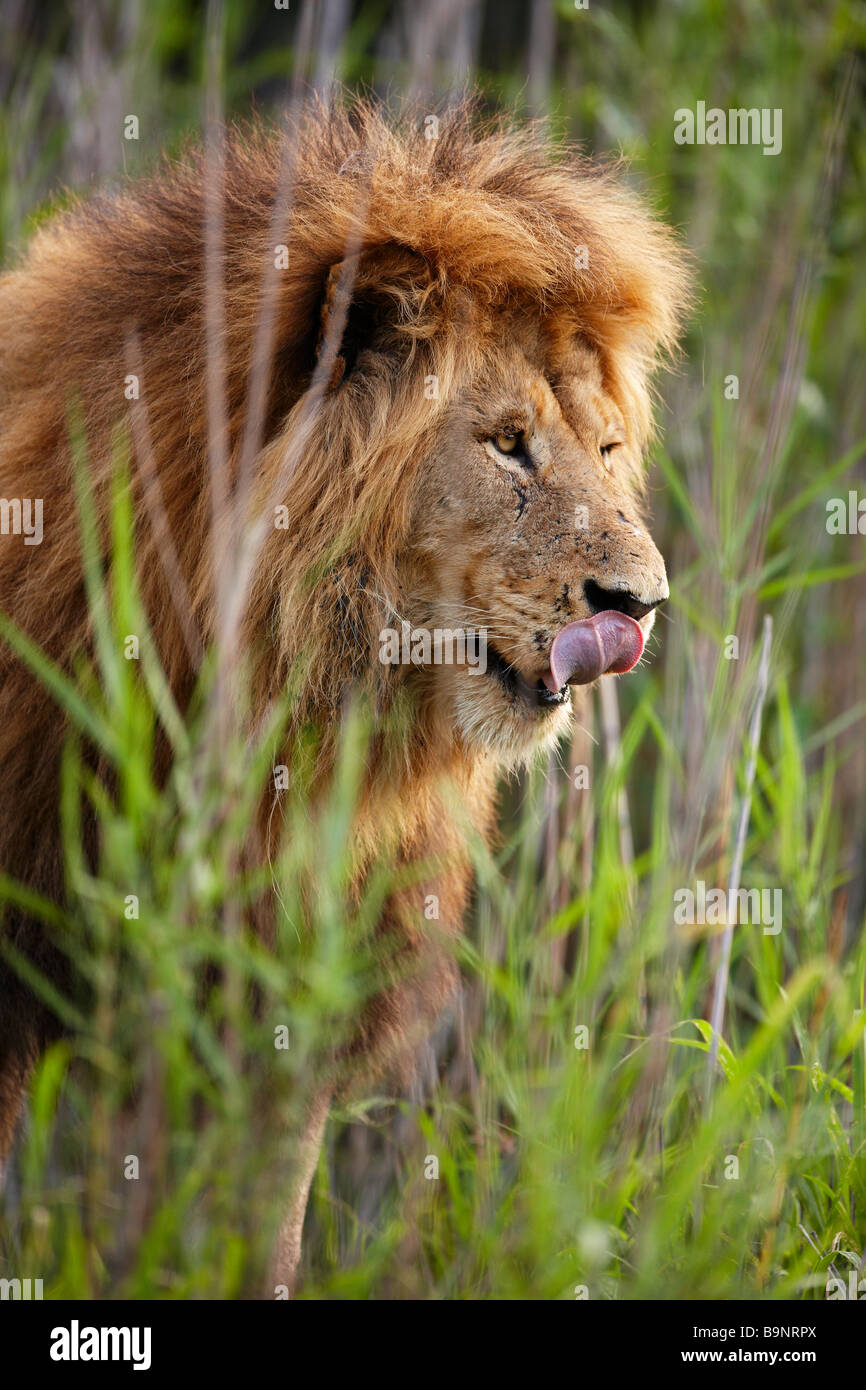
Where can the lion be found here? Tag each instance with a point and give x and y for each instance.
(461, 338)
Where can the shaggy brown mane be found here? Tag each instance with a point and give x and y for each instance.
(490, 217)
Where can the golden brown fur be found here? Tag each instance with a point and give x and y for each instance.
(539, 295)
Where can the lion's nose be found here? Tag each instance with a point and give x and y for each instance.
(623, 599)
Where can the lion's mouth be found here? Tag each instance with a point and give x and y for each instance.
(609, 642)
(536, 695)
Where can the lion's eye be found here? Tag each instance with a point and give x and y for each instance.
(509, 442)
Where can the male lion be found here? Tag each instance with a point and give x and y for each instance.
(453, 410)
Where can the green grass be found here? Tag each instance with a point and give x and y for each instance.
(560, 1168)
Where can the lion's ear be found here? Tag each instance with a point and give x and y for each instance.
(353, 316)
(363, 301)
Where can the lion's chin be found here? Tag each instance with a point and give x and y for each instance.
(509, 729)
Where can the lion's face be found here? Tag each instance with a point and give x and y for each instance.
(526, 526)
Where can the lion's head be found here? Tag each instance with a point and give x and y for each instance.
(483, 354)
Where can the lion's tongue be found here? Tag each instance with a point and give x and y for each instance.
(583, 651)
